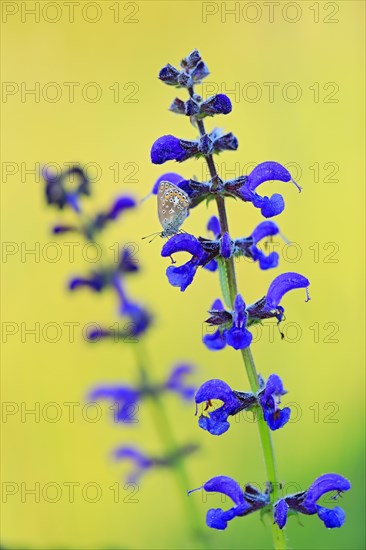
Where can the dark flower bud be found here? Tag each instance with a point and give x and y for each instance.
(199, 72)
(226, 246)
(171, 148)
(169, 75)
(191, 60)
(228, 142)
(178, 107)
(206, 145)
(216, 105)
(184, 81)
(191, 108)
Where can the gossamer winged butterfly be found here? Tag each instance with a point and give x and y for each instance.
(173, 206)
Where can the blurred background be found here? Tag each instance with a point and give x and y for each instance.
(294, 72)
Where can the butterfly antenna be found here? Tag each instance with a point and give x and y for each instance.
(147, 196)
(153, 235)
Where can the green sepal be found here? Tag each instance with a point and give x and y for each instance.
(224, 282)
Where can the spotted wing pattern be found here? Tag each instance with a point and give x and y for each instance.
(173, 206)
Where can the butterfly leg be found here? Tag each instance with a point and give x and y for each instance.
(172, 259)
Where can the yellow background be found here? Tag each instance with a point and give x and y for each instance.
(108, 132)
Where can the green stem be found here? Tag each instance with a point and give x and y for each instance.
(165, 431)
(278, 535)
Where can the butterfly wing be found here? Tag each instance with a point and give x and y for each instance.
(173, 205)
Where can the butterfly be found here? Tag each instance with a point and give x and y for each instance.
(173, 207)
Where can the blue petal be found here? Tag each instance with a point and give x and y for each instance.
(176, 381)
(167, 148)
(133, 454)
(238, 338)
(213, 225)
(182, 242)
(141, 461)
(280, 513)
(272, 206)
(122, 396)
(211, 266)
(227, 486)
(60, 229)
(281, 285)
(182, 276)
(240, 316)
(218, 305)
(274, 386)
(139, 316)
(120, 204)
(267, 171)
(213, 425)
(222, 104)
(331, 518)
(264, 229)
(96, 282)
(215, 341)
(216, 389)
(217, 518)
(265, 261)
(171, 177)
(324, 484)
(225, 246)
(277, 419)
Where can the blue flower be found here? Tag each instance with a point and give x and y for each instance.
(246, 501)
(169, 147)
(269, 306)
(232, 326)
(140, 460)
(183, 275)
(100, 279)
(218, 104)
(140, 319)
(233, 402)
(305, 502)
(99, 221)
(96, 281)
(57, 188)
(267, 398)
(238, 337)
(223, 142)
(245, 186)
(205, 251)
(63, 228)
(177, 383)
(264, 229)
(127, 398)
(143, 462)
(245, 246)
(121, 204)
